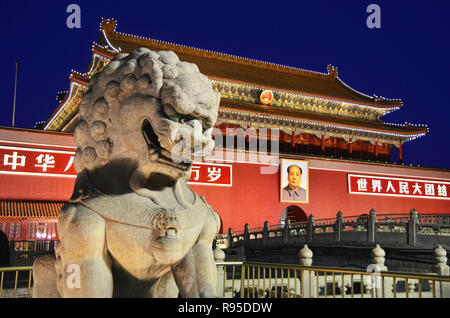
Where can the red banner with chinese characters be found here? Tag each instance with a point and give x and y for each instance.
(398, 187)
(33, 161)
(211, 174)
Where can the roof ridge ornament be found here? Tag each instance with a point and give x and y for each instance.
(108, 25)
(332, 71)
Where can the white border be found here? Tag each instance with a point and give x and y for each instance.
(30, 143)
(40, 174)
(396, 195)
(287, 161)
(378, 173)
(37, 150)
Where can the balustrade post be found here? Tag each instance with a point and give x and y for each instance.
(383, 285)
(265, 233)
(286, 231)
(230, 238)
(338, 227)
(13, 253)
(246, 234)
(308, 279)
(371, 226)
(219, 257)
(310, 228)
(441, 268)
(305, 256)
(377, 257)
(412, 227)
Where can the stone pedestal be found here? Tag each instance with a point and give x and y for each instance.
(441, 268)
(377, 258)
(219, 257)
(383, 285)
(308, 279)
(305, 256)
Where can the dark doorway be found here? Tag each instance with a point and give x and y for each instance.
(4, 250)
(294, 214)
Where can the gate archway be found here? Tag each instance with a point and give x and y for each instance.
(294, 214)
(4, 250)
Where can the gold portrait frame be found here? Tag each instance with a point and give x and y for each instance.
(284, 164)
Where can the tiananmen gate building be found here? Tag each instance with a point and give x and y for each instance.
(271, 117)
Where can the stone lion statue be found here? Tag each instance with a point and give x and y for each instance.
(133, 228)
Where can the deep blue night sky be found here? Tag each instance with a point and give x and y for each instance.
(407, 58)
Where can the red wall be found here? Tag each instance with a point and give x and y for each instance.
(34, 187)
(254, 197)
(16, 187)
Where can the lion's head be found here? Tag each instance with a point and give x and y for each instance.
(150, 109)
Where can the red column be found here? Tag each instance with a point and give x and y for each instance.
(24, 231)
(322, 145)
(293, 139)
(350, 147)
(376, 149)
(400, 153)
(281, 140)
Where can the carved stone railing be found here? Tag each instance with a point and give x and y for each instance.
(268, 280)
(398, 228)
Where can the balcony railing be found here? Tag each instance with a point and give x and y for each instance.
(340, 229)
(16, 282)
(258, 280)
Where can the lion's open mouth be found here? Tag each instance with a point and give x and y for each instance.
(178, 142)
(150, 137)
(157, 152)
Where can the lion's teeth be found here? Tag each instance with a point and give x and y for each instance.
(171, 232)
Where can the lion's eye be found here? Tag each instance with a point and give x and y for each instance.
(169, 110)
